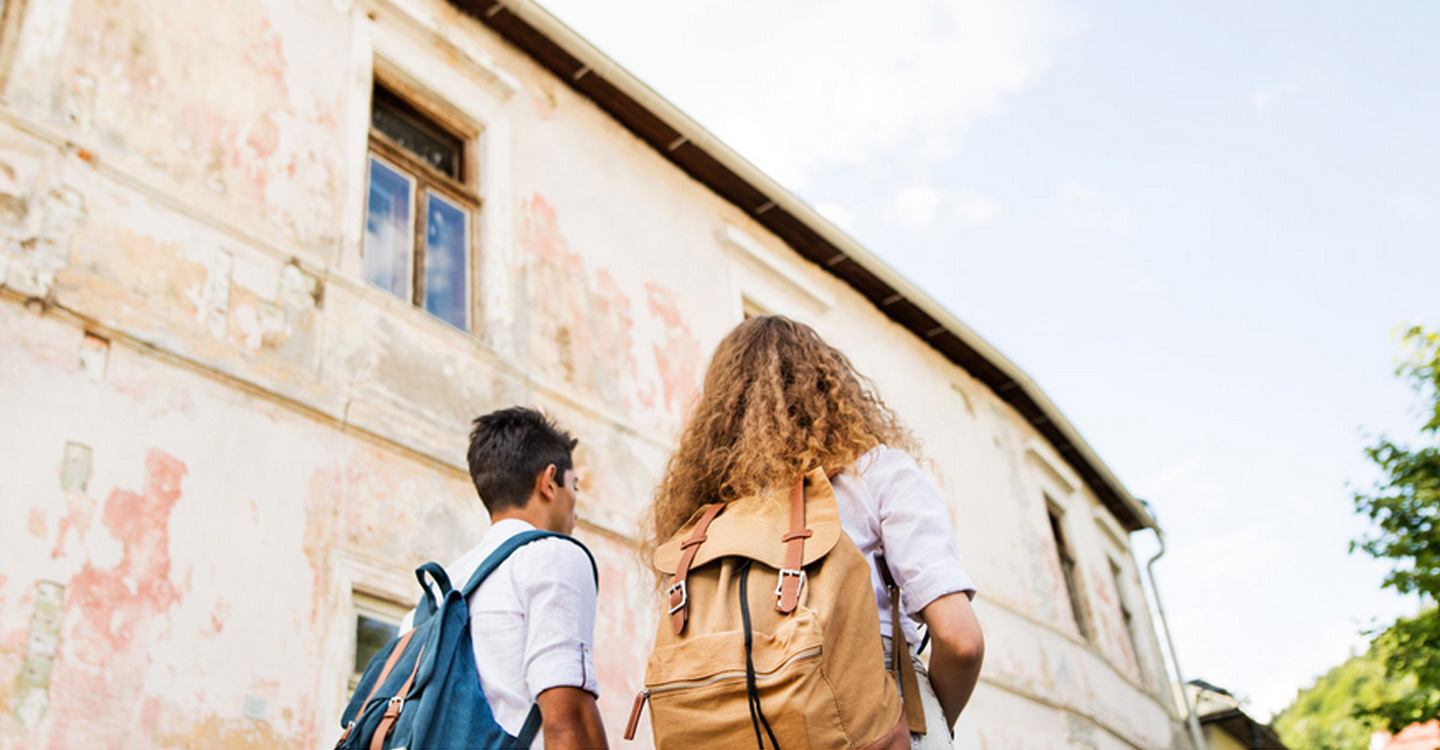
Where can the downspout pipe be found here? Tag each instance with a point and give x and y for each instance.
(1191, 720)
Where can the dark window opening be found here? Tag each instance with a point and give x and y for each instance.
(1067, 569)
(402, 123)
(377, 622)
(1128, 618)
(371, 635)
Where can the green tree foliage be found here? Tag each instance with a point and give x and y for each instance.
(1404, 507)
(1411, 657)
(1326, 715)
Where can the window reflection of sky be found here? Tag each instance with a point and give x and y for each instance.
(388, 235)
(445, 267)
(371, 635)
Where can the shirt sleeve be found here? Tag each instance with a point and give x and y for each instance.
(915, 532)
(556, 587)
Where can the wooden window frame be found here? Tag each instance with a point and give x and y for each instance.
(463, 191)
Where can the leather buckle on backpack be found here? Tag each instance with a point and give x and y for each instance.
(684, 596)
(800, 574)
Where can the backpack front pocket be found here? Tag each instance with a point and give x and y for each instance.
(712, 706)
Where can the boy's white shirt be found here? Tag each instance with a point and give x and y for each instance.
(532, 622)
(887, 497)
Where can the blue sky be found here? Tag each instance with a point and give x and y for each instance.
(1195, 225)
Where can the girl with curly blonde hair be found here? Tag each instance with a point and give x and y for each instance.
(778, 401)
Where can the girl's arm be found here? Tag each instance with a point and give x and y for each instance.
(957, 647)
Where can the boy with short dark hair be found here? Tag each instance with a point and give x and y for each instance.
(532, 621)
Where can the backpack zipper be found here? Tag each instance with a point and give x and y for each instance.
(643, 696)
(669, 686)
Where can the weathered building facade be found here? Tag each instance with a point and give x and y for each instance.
(260, 264)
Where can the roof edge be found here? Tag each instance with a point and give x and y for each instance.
(695, 150)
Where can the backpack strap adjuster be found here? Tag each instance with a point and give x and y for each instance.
(780, 584)
(684, 596)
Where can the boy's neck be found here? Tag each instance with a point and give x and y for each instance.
(529, 514)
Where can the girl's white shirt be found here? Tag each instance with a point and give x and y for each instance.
(888, 506)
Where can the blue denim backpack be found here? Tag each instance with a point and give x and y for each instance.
(422, 690)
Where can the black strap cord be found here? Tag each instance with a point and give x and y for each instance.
(752, 693)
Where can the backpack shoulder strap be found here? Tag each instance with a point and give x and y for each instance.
(678, 592)
(488, 566)
(792, 576)
(507, 547)
(531, 728)
(903, 669)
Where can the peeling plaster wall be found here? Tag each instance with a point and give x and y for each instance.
(213, 431)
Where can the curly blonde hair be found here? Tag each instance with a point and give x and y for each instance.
(777, 401)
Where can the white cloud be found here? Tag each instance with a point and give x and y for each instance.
(973, 208)
(1231, 558)
(1300, 505)
(913, 207)
(1086, 207)
(1146, 287)
(1264, 97)
(1170, 475)
(837, 214)
(1413, 207)
(920, 205)
(794, 86)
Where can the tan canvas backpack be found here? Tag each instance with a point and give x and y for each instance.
(771, 637)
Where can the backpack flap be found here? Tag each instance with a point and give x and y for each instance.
(753, 527)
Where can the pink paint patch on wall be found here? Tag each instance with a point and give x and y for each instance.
(936, 472)
(163, 82)
(678, 356)
(322, 503)
(579, 324)
(622, 632)
(113, 618)
(80, 509)
(37, 525)
(540, 234)
(264, 137)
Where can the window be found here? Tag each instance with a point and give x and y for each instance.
(1128, 617)
(1067, 569)
(420, 209)
(377, 622)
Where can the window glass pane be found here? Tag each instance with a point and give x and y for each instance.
(415, 133)
(371, 635)
(446, 269)
(388, 235)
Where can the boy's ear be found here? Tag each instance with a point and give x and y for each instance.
(545, 483)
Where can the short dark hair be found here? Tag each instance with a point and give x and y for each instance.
(509, 448)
